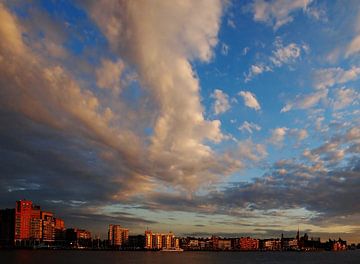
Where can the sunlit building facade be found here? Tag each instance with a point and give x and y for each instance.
(48, 227)
(160, 241)
(248, 243)
(118, 236)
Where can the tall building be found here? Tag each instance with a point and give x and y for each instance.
(35, 224)
(48, 227)
(23, 212)
(118, 236)
(160, 241)
(148, 239)
(7, 227)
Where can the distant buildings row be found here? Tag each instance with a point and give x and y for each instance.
(28, 226)
(252, 244)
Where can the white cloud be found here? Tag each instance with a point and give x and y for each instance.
(250, 100)
(249, 127)
(247, 150)
(256, 69)
(285, 55)
(345, 97)
(329, 77)
(108, 74)
(305, 101)
(353, 47)
(299, 134)
(224, 49)
(231, 23)
(278, 135)
(221, 104)
(245, 51)
(277, 13)
(281, 55)
(152, 37)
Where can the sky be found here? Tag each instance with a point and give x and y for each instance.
(200, 117)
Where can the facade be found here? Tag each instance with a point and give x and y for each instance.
(7, 227)
(272, 244)
(248, 243)
(148, 239)
(48, 227)
(224, 244)
(23, 213)
(118, 236)
(159, 241)
(35, 224)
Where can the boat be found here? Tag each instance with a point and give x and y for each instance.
(172, 249)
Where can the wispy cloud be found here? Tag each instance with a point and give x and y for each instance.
(277, 13)
(250, 100)
(221, 104)
(281, 55)
(249, 127)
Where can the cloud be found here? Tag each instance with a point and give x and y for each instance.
(247, 150)
(116, 149)
(224, 49)
(285, 55)
(281, 55)
(278, 135)
(329, 77)
(221, 104)
(249, 127)
(256, 69)
(109, 73)
(353, 47)
(250, 100)
(277, 13)
(305, 101)
(299, 134)
(345, 97)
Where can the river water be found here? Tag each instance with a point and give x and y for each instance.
(108, 257)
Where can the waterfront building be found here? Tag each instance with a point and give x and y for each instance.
(159, 241)
(224, 244)
(271, 244)
(148, 239)
(48, 227)
(248, 243)
(23, 211)
(118, 236)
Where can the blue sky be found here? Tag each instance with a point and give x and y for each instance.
(198, 117)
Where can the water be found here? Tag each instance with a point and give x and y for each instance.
(109, 257)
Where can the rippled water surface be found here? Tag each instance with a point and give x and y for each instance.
(89, 257)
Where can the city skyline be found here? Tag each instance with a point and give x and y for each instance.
(200, 117)
(29, 226)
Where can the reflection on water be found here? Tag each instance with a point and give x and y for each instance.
(90, 257)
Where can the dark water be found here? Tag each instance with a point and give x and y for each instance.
(108, 257)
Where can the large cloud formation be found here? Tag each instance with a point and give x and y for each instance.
(62, 138)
